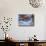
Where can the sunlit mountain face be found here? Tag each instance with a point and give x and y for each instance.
(26, 20)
